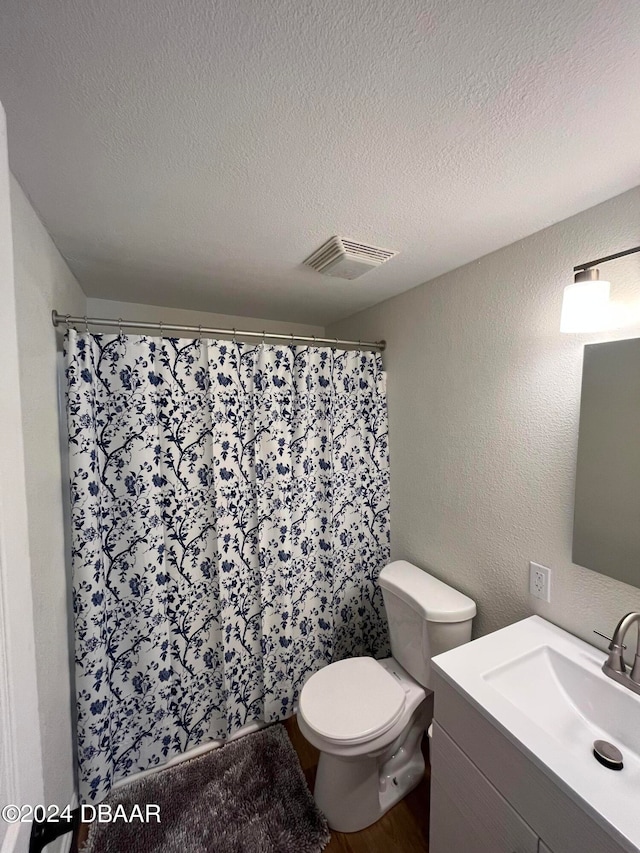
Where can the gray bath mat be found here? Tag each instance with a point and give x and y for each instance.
(249, 796)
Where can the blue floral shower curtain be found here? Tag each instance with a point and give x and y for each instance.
(230, 516)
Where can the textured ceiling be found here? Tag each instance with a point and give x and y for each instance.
(193, 153)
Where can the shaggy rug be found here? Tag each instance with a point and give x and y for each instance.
(249, 796)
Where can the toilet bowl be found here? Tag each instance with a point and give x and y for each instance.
(368, 717)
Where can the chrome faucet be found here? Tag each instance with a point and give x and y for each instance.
(614, 666)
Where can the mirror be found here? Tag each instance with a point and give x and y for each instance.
(606, 527)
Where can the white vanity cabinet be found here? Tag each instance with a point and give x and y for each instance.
(488, 796)
(467, 812)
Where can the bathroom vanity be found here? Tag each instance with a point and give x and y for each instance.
(512, 764)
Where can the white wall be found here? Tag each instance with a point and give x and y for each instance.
(20, 755)
(134, 311)
(484, 396)
(43, 282)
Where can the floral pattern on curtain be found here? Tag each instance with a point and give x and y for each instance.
(230, 516)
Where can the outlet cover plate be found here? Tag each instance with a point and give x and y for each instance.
(540, 581)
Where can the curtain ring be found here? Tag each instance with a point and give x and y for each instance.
(161, 330)
(86, 325)
(234, 335)
(314, 339)
(66, 320)
(120, 326)
(263, 334)
(199, 333)
(291, 338)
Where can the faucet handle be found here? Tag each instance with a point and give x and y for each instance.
(604, 636)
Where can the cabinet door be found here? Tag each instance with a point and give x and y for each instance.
(467, 812)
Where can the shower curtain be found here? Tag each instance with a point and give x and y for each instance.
(230, 516)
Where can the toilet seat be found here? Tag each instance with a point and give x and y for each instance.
(352, 701)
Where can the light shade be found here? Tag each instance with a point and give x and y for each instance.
(585, 304)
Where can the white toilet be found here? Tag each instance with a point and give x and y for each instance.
(368, 717)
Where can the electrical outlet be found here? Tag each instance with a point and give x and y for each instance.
(540, 581)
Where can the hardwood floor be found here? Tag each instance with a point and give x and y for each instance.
(80, 837)
(405, 828)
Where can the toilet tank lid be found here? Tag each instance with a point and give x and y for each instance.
(434, 600)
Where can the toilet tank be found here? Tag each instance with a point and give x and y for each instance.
(426, 617)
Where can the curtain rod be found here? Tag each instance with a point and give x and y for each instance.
(67, 319)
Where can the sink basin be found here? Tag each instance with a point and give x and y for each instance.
(545, 690)
(570, 702)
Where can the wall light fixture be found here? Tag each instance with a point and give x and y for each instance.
(585, 302)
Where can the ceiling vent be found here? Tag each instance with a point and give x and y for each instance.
(346, 259)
